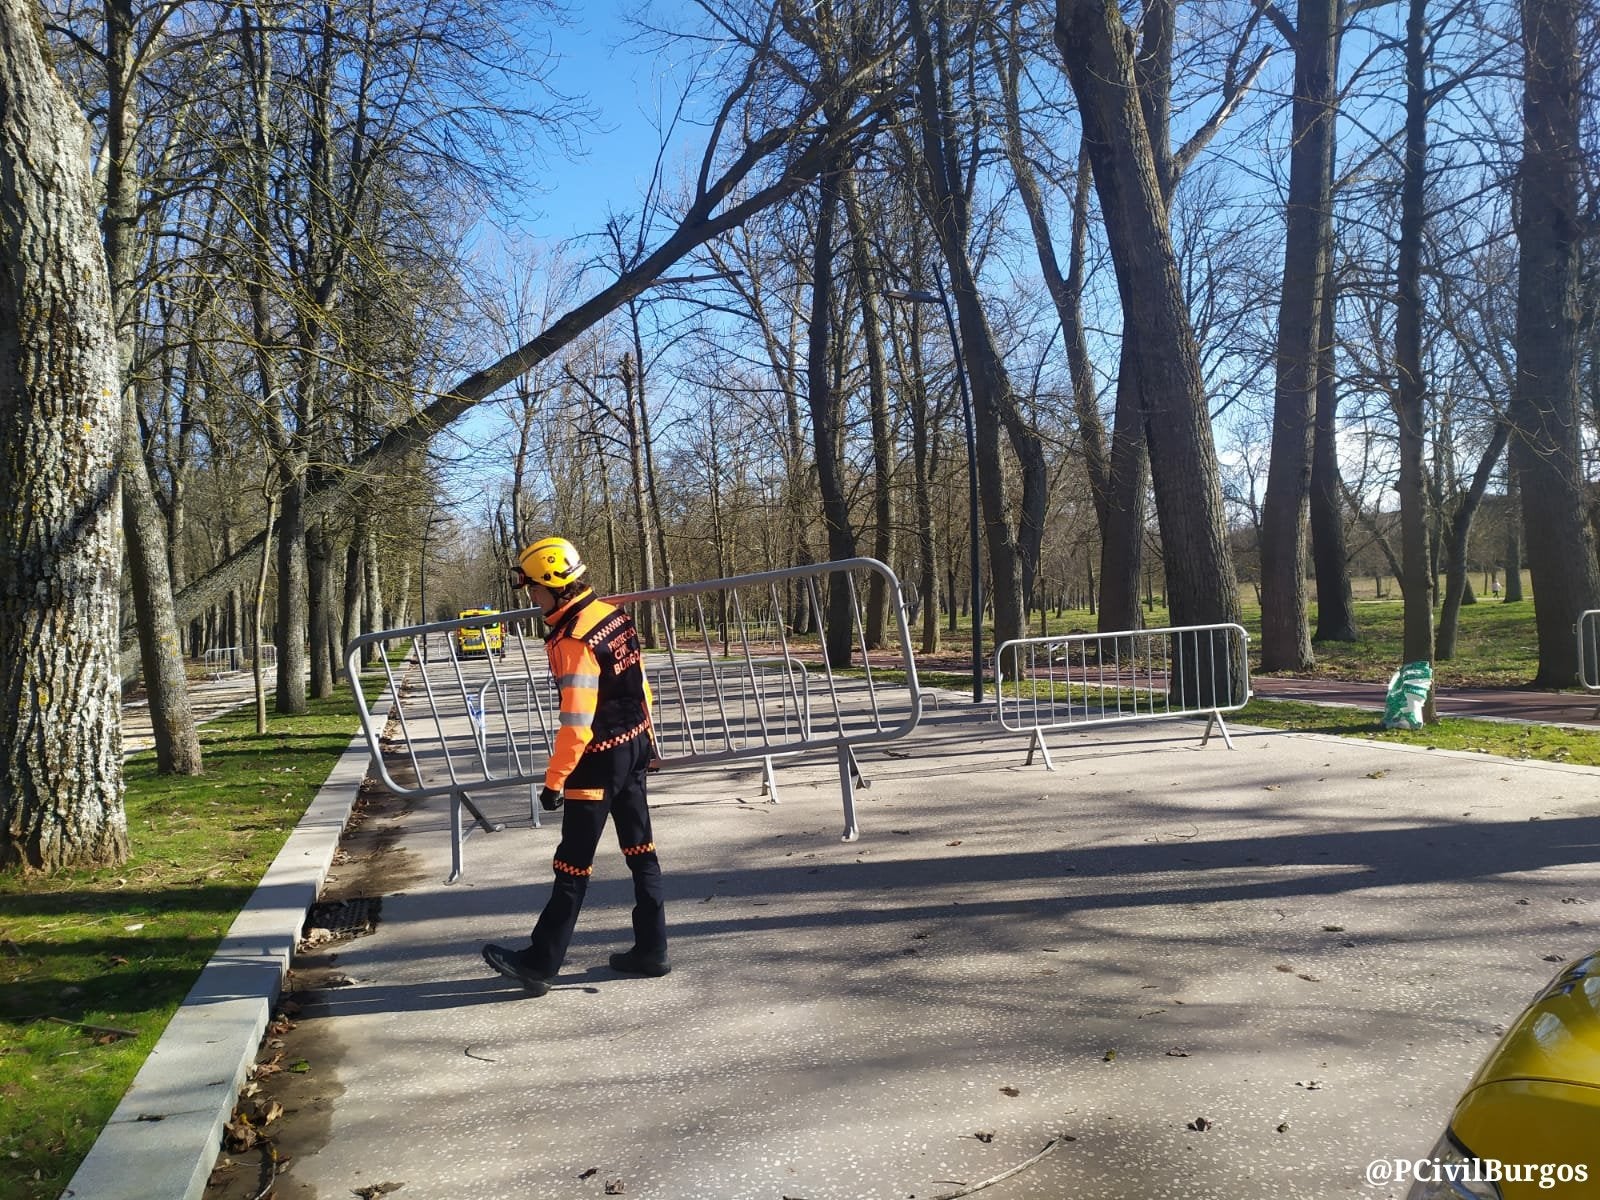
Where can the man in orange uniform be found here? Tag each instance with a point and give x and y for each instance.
(602, 753)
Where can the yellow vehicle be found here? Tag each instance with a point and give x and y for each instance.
(480, 639)
(1526, 1125)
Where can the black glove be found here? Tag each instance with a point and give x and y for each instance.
(550, 799)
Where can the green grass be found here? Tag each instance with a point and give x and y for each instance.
(118, 948)
(1545, 743)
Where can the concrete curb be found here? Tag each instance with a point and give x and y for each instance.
(163, 1140)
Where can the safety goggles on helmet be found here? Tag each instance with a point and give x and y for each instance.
(551, 562)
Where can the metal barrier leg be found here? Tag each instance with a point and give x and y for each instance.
(1222, 727)
(458, 834)
(533, 806)
(846, 771)
(769, 780)
(456, 837)
(855, 769)
(1038, 743)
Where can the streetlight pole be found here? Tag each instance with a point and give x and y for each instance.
(923, 296)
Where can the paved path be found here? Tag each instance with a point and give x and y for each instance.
(210, 698)
(1307, 942)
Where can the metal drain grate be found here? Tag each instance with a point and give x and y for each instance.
(343, 918)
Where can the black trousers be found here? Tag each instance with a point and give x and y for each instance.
(621, 773)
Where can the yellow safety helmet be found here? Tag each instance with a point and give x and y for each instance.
(552, 562)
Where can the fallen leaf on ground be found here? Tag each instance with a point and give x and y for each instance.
(615, 1187)
(1009, 1091)
(984, 1135)
(590, 1173)
(1201, 1124)
(377, 1189)
(1175, 1052)
(238, 1134)
(1311, 1085)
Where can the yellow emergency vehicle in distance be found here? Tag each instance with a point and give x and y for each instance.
(480, 639)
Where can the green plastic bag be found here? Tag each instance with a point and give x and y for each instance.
(1408, 693)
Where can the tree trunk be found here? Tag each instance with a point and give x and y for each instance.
(60, 424)
(878, 616)
(144, 530)
(1513, 536)
(355, 578)
(291, 633)
(258, 638)
(826, 423)
(1285, 628)
(1336, 614)
(994, 403)
(633, 397)
(319, 616)
(1201, 586)
(1546, 438)
(1416, 584)
(1458, 588)
(1122, 541)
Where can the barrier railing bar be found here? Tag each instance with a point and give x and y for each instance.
(1589, 653)
(866, 656)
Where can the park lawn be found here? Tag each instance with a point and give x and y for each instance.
(1545, 743)
(93, 963)
(1496, 643)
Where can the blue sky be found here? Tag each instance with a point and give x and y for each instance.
(617, 81)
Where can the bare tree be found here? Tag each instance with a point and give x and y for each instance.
(1285, 629)
(1094, 44)
(1545, 434)
(946, 177)
(765, 145)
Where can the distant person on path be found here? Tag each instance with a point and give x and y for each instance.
(1494, 587)
(598, 767)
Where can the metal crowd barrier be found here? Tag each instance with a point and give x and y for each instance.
(732, 682)
(516, 718)
(1589, 653)
(1083, 679)
(221, 661)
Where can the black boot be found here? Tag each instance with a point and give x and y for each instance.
(513, 964)
(636, 962)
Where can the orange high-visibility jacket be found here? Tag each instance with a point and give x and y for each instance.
(599, 670)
